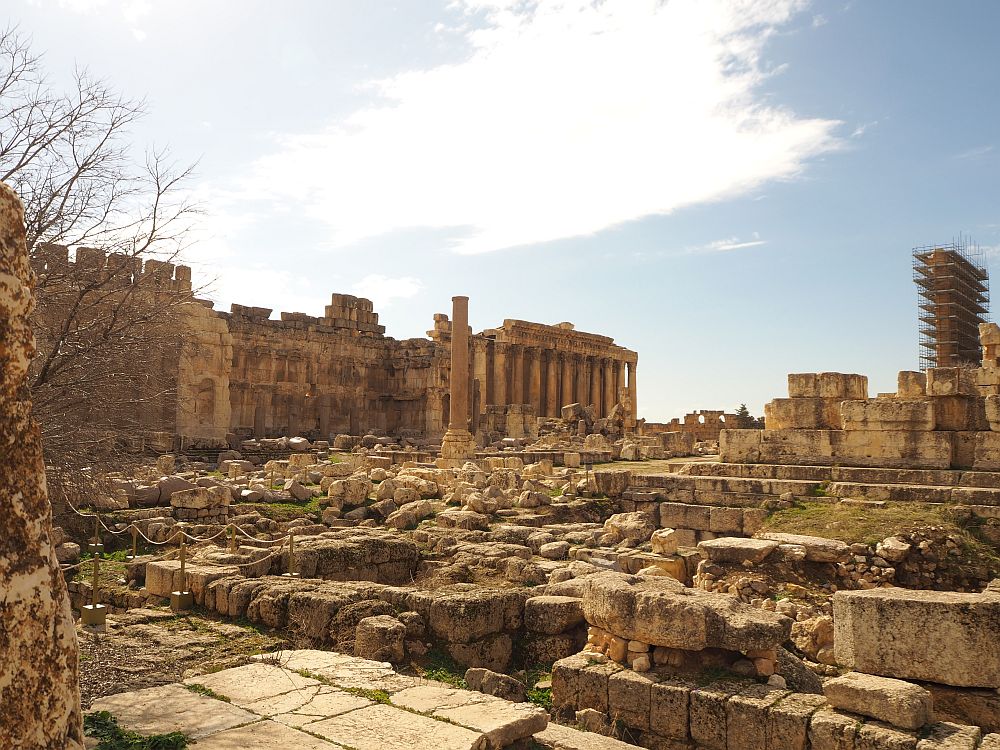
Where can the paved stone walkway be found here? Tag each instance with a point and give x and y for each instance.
(317, 700)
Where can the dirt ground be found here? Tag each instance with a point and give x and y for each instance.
(149, 647)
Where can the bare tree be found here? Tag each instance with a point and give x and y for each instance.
(107, 324)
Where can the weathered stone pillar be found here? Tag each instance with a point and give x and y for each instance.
(479, 376)
(500, 390)
(552, 385)
(582, 390)
(619, 380)
(535, 380)
(566, 394)
(517, 375)
(633, 398)
(595, 384)
(39, 681)
(457, 444)
(609, 387)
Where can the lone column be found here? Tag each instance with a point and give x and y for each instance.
(609, 387)
(633, 401)
(500, 374)
(457, 444)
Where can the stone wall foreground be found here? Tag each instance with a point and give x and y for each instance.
(38, 649)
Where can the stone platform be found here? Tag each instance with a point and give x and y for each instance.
(313, 700)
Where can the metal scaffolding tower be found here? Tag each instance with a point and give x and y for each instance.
(953, 289)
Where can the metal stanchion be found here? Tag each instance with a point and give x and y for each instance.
(183, 600)
(96, 547)
(135, 543)
(95, 613)
(291, 558)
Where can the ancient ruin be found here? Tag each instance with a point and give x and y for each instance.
(242, 374)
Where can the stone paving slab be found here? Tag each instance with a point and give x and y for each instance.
(382, 727)
(172, 708)
(264, 735)
(253, 682)
(558, 737)
(346, 671)
(312, 704)
(500, 721)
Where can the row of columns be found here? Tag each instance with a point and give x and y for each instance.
(549, 379)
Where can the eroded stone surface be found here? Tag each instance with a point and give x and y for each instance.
(38, 649)
(382, 727)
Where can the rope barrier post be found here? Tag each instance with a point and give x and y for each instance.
(96, 547)
(94, 614)
(135, 542)
(232, 538)
(291, 558)
(183, 600)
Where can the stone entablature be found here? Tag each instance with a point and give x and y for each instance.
(547, 367)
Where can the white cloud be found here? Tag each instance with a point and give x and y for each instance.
(568, 117)
(132, 11)
(382, 290)
(975, 153)
(722, 246)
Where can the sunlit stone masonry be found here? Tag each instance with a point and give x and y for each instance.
(247, 374)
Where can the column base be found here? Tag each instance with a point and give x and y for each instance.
(458, 445)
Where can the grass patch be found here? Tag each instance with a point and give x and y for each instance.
(196, 687)
(541, 697)
(442, 668)
(102, 726)
(283, 511)
(376, 696)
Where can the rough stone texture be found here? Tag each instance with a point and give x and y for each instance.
(937, 636)
(663, 612)
(737, 550)
(380, 638)
(172, 708)
(263, 735)
(899, 703)
(38, 649)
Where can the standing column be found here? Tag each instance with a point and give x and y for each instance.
(552, 385)
(500, 374)
(633, 399)
(566, 394)
(619, 380)
(595, 384)
(517, 376)
(584, 383)
(579, 380)
(535, 380)
(609, 386)
(457, 444)
(479, 365)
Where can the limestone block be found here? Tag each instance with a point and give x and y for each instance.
(802, 414)
(663, 612)
(992, 409)
(201, 498)
(788, 721)
(896, 702)
(552, 614)
(737, 550)
(990, 742)
(380, 638)
(740, 446)
(888, 414)
(668, 710)
(818, 549)
(887, 631)
(947, 736)
(746, 717)
(960, 413)
(951, 381)
(725, 520)
(911, 384)
(681, 516)
(878, 736)
(827, 385)
(987, 451)
(707, 715)
(665, 541)
(629, 698)
(832, 730)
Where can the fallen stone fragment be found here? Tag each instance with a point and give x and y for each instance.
(896, 702)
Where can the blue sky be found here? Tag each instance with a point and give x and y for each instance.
(730, 188)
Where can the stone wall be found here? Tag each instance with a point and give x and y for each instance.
(703, 425)
(247, 374)
(948, 417)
